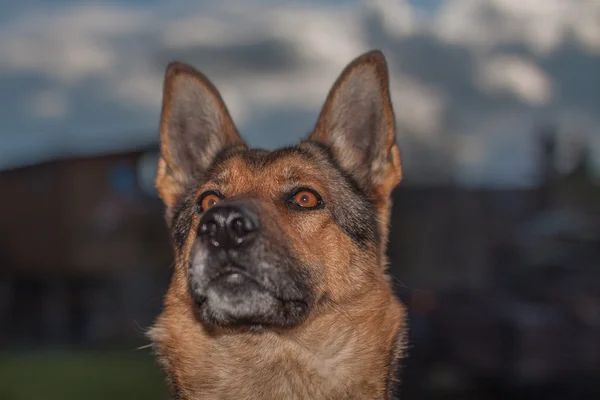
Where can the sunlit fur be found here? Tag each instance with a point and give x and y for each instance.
(346, 342)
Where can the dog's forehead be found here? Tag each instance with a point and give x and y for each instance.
(243, 166)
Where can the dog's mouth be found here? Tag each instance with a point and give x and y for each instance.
(233, 296)
(234, 275)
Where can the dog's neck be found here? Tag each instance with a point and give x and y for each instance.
(347, 353)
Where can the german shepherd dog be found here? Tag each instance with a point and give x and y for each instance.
(280, 288)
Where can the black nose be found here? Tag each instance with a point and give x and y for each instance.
(228, 226)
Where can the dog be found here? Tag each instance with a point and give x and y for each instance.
(280, 289)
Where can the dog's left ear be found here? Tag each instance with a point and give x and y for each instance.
(357, 123)
(195, 126)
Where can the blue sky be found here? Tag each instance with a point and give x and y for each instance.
(470, 80)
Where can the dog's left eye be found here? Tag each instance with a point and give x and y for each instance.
(208, 200)
(306, 199)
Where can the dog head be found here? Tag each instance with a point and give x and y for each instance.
(269, 238)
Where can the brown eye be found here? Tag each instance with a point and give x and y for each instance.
(209, 200)
(306, 199)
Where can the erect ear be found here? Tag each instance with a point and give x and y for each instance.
(357, 123)
(194, 127)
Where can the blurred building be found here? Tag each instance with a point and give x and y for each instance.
(498, 282)
(502, 285)
(82, 243)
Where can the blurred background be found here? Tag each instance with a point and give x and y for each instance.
(495, 241)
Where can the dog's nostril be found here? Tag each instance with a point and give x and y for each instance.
(239, 229)
(210, 228)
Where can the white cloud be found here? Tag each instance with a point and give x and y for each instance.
(111, 54)
(419, 108)
(68, 45)
(59, 56)
(516, 75)
(587, 28)
(541, 25)
(398, 16)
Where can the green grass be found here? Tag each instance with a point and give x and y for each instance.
(80, 375)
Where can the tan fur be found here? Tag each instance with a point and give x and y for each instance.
(345, 347)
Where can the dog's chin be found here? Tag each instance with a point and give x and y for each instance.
(236, 300)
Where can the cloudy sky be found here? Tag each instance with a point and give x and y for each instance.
(471, 79)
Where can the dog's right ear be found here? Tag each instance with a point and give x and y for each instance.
(357, 124)
(195, 126)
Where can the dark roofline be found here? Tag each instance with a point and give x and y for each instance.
(61, 159)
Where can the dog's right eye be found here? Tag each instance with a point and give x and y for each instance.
(305, 199)
(208, 200)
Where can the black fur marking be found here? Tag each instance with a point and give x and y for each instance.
(347, 177)
(358, 219)
(176, 392)
(182, 219)
(361, 228)
(393, 381)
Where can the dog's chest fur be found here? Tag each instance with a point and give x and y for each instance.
(341, 360)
